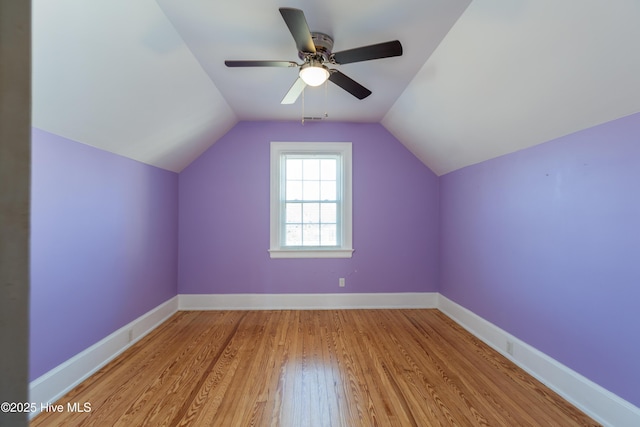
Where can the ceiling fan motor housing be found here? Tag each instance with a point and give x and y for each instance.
(324, 46)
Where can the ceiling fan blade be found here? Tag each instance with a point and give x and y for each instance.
(294, 92)
(366, 53)
(348, 84)
(260, 64)
(295, 20)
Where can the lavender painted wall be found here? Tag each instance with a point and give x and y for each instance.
(103, 245)
(545, 243)
(224, 217)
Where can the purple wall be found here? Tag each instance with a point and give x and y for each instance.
(224, 217)
(545, 243)
(103, 245)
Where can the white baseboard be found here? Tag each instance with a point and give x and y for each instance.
(594, 400)
(306, 301)
(54, 384)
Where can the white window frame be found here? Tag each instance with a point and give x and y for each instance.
(344, 248)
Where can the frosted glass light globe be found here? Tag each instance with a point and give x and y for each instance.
(314, 75)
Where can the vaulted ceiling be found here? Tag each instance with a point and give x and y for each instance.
(478, 79)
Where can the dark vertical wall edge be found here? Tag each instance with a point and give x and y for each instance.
(15, 149)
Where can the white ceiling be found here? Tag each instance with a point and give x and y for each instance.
(146, 79)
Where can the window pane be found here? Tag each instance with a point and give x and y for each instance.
(328, 235)
(293, 212)
(293, 236)
(294, 190)
(327, 190)
(311, 190)
(294, 169)
(328, 169)
(311, 213)
(328, 213)
(311, 235)
(311, 169)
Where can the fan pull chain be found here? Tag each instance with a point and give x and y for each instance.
(314, 118)
(303, 91)
(326, 90)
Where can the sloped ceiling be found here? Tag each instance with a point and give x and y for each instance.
(512, 74)
(480, 79)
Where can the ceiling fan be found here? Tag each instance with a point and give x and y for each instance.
(315, 50)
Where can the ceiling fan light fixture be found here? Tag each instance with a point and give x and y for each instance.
(314, 73)
(315, 49)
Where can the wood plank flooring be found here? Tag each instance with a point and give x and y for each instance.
(313, 368)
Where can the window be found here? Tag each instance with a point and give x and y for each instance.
(310, 200)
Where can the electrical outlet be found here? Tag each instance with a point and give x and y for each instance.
(341, 282)
(510, 347)
(130, 335)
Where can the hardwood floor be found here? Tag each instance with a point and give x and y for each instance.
(313, 368)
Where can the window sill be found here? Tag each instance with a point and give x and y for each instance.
(311, 253)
